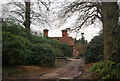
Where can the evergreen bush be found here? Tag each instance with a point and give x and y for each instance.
(106, 70)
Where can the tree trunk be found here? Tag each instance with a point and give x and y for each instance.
(110, 27)
(27, 15)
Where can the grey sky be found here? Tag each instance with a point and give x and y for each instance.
(90, 31)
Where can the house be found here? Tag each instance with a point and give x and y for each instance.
(64, 39)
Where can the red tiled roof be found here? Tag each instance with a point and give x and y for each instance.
(68, 40)
(56, 37)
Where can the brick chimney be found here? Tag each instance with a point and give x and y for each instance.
(64, 33)
(45, 32)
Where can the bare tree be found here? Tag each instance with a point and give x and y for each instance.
(90, 12)
(37, 12)
(27, 15)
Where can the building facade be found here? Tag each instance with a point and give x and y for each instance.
(64, 39)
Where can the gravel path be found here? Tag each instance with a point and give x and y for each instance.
(70, 71)
(66, 70)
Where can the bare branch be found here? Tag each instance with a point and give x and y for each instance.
(88, 13)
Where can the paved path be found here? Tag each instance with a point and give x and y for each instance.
(70, 71)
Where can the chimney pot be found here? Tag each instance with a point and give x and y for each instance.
(64, 33)
(45, 32)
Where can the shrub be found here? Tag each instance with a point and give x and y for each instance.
(46, 40)
(42, 54)
(67, 51)
(14, 28)
(56, 44)
(14, 49)
(18, 50)
(94, 50)
(35, 39)
(106, 70)
(20, 47)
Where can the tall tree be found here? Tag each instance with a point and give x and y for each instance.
(110, 16)
(26, 12)
(27, 15)
(89, 13)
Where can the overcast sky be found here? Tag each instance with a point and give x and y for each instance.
(89, 32)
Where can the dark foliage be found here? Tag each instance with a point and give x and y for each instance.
(15, 28)
(67, 51)
(106, 70)
(42, 54)
(94, 50)
(22, 48)
(14, 49)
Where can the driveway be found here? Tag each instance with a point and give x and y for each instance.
(70, 71)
